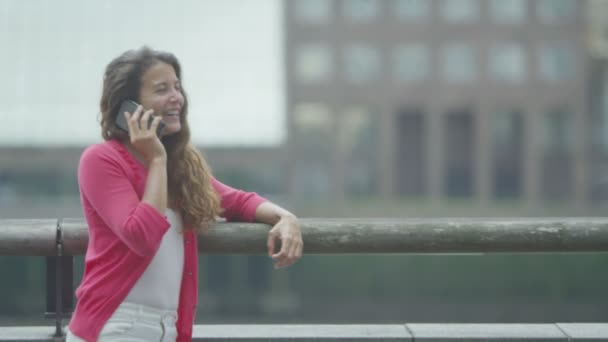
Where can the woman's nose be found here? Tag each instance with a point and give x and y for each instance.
(176, 95)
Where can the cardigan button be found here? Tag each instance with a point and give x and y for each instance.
(187, 241)
(190, 273)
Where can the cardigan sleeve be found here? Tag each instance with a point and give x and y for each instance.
(105, 186)
(238, 205)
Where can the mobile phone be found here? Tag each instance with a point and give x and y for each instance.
(131, 106)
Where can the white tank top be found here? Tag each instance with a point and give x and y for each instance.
(160, 284)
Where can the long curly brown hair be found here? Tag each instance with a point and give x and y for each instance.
(189, 177)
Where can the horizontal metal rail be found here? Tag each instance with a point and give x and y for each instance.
(340, 236)
(361, 332)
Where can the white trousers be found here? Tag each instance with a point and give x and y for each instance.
(136, 323)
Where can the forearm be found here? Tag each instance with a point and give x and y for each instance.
(271, 213)
(155, 193)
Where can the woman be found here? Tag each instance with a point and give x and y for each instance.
(144, 198)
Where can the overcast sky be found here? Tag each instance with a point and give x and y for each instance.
(55, 51)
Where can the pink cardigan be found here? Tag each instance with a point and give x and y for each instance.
(125, 233)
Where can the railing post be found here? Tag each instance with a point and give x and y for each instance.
(59, 287)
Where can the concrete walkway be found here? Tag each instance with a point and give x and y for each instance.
(357, 332)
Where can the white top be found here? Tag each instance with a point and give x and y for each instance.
(159, 285)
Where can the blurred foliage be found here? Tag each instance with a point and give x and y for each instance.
(261, 181)
(40, 182)
(470, 279)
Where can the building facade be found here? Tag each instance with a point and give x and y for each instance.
(481, 99)
(476, 99)
(597, 40)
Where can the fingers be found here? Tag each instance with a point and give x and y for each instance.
(296, 252)
(291, 251)
(155, 122)
(139, 120)
(270, 244)
(280, 258)
(133, 120)
(144, 120)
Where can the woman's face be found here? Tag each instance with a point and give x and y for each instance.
(161, 91)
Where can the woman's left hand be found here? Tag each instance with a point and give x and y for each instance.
(288, 230)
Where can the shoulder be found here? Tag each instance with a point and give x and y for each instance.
(100, 152)
(108, 161)
(109, 153)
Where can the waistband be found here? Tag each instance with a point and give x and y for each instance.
(145, 311)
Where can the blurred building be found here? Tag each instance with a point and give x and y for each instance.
(476, 99)
(597, 40)
(483, 99)
(41, 182)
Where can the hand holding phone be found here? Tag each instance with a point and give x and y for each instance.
(130, 106)
(145, 144)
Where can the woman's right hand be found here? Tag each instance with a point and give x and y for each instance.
(143, 138)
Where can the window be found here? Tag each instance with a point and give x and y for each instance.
(603, 127)
(362, 63)
(508, 11)
(313, 63)
(458, 62)
(460, 11)
(313, 139)
(508, 62)
(407, 10)
(357, 141)
(507, 129)
(459, 128)
(411, 63)
(312, 179)
(557, 137)
(556, 11)
(361, 11)
(312, 11)
(356, 132)
(557, 132)
(557, 62)
(312, 117)
(411, 157)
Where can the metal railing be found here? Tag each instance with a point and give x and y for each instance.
(340, 236)
(61, 239)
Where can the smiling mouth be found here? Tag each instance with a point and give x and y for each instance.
(171, 115)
